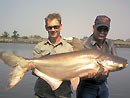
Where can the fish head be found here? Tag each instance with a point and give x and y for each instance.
(113, 63)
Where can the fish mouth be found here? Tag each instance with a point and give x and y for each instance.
(126, 65)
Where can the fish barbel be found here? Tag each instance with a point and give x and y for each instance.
(65, 66)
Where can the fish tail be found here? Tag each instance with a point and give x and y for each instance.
(19, 65)
(12, 60)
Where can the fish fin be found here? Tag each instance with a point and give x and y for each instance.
(54, 83)
(75, 82)
(15, 77)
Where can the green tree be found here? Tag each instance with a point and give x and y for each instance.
(128, 39)
(25, 37)
(15, 34)
(119, 40)
(84, 38)
(5, 35)
(35, 36)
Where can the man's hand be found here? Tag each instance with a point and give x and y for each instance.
(31, 66)
(101, 76)
(106, 71)
(92, 75)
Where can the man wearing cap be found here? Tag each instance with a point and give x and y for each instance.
(96, 86)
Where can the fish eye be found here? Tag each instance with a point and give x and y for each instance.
(120, 68)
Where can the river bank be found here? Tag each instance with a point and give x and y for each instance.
(118, 44)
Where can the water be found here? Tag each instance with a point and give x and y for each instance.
(118, 81)
(25, 88)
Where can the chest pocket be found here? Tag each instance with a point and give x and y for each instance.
(49, 51)
(45, 52)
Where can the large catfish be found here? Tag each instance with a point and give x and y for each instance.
(65, 66)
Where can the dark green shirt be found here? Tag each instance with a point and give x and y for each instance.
(42, 88)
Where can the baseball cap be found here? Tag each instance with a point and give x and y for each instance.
(102, 20)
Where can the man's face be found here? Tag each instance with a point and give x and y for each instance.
(53, 27)
(101, 32)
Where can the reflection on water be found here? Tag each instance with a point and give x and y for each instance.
(118, 81)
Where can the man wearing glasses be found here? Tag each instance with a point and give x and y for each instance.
(54, 44)
(96, 86)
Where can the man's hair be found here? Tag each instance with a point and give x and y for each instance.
(53, 16)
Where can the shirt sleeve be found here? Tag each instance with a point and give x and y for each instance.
(87, 44)
(71, 48)
(36, 52)
(68, 46)
(113, 49)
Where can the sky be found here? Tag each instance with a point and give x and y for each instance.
(27, 16)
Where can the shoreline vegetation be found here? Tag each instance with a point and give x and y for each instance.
(5, 37)
(35, 40)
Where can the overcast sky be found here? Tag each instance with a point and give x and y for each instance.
(27, 16)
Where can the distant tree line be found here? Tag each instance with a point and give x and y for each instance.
(7, 35)
(16, 35)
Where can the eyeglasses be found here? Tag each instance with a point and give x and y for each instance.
(103, 28)
(50, 27)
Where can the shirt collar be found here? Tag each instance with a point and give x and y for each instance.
(93, 41)
(49, 43)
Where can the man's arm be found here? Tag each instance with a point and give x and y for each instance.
(113, 49)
